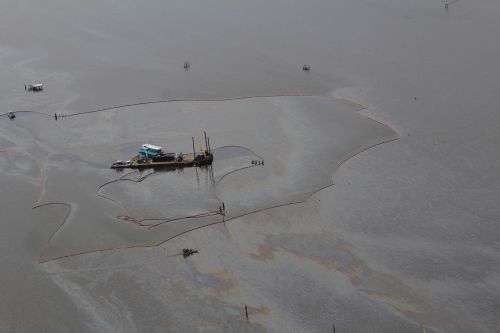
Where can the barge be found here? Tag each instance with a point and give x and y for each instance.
(151, 156)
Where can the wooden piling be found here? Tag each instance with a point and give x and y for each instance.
(194, 151)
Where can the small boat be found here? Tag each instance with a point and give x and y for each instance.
(119, 164)
(35, 87)
(11, 115)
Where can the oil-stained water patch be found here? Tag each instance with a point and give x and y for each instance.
(216, 281)
(153, 196)
(17, 164)
(325, 260)
(177, 193)
(301, 141)
(4, 143)
(335, 254)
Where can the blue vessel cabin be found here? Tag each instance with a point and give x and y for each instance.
(151, 150)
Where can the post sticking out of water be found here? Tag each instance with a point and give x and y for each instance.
(194, 152)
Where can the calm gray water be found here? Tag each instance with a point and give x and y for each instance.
(408, 235)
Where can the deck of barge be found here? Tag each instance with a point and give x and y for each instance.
(188, 161)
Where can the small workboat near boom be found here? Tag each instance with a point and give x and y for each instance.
(151, 156)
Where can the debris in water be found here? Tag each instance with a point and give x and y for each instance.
(188, 252)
